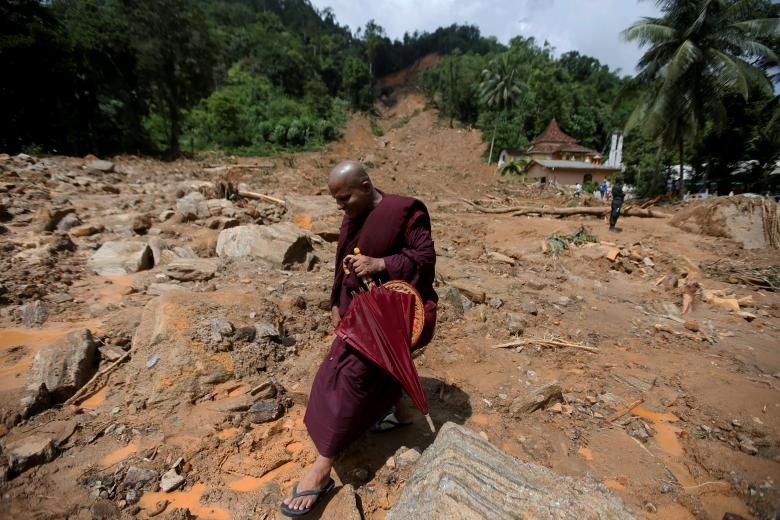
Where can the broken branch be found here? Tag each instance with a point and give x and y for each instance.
(260, 196)
(551, 343)
(620, 413)
(77, 396)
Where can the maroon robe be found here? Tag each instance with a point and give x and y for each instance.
(350, 393)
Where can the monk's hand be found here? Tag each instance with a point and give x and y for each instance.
(366, 265)
(335, 317)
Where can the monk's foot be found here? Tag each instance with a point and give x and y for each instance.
(315, 478)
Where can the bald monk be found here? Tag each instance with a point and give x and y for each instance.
(349, 393)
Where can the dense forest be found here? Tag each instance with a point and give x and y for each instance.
(263, 76)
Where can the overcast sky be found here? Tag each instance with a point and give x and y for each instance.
(590, 26)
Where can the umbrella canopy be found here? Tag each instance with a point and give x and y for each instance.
(379, 325)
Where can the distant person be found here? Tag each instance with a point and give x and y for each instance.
(603, 188)
(617, 203)
(577, 190)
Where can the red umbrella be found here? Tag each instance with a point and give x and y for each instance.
(379, 325)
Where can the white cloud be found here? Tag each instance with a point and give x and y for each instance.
(591, 27)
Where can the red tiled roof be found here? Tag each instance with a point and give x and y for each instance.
(553, 134)
(553, 139)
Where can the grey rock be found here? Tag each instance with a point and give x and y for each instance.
(280, 245)
(121, 257)
(407, 457)
(218, 207)
(265, 411)
(29, 452)
(133, 496)
(193, 206)
(100, 165)
(529, 307)
(463, 477)
(496, 302)
(189, 269)
(65, 366)
(536, 285)
(59, 298)
(536, 399)
(171, 480)
(34, 313)
(746, 444)
(515, 324)
(563, 301)
(266, 331)
(452, 297)
(318, 214)
(648, 262)
(68, 222)
(136, 476)
(157, 289)
(184, 252)
(221, 328)
(470, 290)
(111, 352)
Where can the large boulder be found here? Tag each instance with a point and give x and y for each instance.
(174, 359)
(463, 477)
(193, 206)
(281, 245)
(29, 452)
(100, 166)
(60, 369)
(315, 213)
(189, 269)
(121, 257)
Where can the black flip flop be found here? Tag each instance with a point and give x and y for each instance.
(388, 423)
(321, 492)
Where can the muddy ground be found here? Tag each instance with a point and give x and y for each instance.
(703, 442)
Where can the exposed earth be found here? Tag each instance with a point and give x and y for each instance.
(191, 338)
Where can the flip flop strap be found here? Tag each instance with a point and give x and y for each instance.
(311, 492)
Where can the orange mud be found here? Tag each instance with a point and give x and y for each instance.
(185, 500)
(614, 484)
(96, 400)
(112, 293)
(228, 433)
(585, 453)
(118, 455)
(246, 484)
(294, 447)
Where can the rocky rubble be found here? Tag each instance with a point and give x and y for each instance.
(462, 476)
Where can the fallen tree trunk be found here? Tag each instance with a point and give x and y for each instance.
(597, 211)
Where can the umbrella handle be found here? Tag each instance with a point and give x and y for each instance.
(430, 422)
(367, 280)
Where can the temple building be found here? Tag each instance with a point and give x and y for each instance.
(556, 157)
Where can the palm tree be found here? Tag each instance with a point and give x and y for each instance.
(700, 53)
(500, 89)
